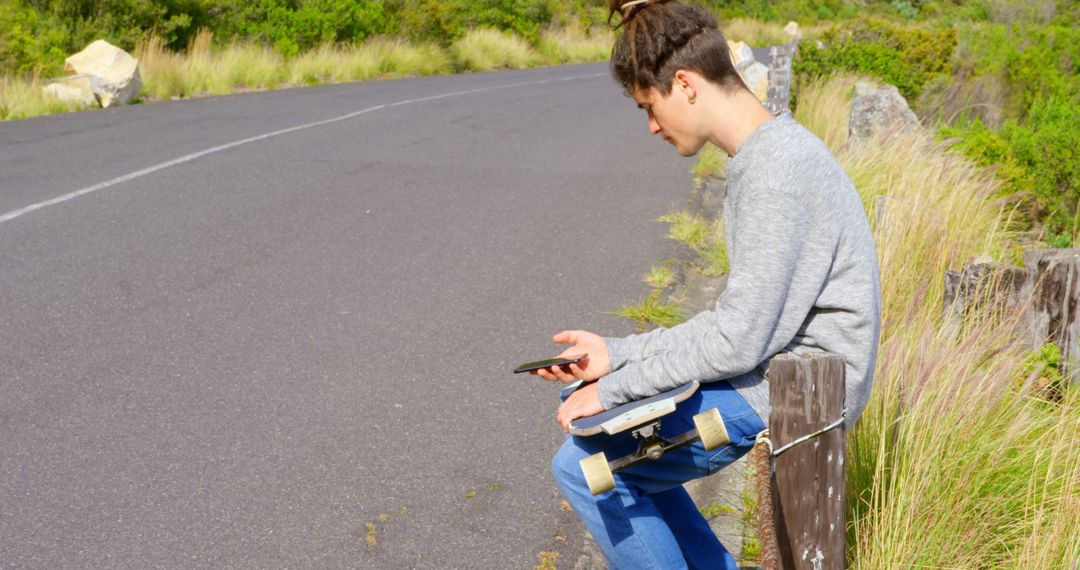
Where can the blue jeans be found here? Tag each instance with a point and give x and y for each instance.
(648, 521)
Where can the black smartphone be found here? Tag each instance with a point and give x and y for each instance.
(530, 366)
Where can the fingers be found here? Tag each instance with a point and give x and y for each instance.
(582, 403)
(561, 374)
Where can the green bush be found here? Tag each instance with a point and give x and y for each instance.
(802, 11)
(446, 21)
(1036, 145)
(1037, 157)
(30, 41)
(906, 56)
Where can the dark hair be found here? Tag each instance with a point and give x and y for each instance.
(661, 37)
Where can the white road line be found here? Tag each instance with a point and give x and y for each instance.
(188, 158)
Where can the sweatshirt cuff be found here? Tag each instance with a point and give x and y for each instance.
(618, 350)
(610, 391)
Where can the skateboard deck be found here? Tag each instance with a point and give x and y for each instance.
(631, 414)
(643, 417)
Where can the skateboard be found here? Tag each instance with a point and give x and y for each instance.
(643, 417)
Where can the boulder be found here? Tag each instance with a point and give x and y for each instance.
(75, 90)
(756, 77)
(741, 55)
(878, 109)
(117, 70)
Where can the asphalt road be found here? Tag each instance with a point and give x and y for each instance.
(294, 351)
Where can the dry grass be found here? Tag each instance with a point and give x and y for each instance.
(758, 33)
(754, 32)
(955, 463)
(486, 49)
(571, 45)
(205, 68)
(22, 97)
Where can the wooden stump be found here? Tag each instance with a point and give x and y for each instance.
(807, 394)
(1045, 294)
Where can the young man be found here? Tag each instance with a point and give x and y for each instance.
(804, 277)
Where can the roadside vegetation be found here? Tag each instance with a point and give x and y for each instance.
(966, 456)
(213, 47)
(963, 458)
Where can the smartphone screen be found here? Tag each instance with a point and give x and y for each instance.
(530, 366)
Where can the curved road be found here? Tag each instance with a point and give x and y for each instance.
(275, 330)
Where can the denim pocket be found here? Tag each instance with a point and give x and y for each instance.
(725, 456)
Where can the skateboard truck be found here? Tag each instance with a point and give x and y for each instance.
(643, 417)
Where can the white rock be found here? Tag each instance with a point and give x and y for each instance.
(741, 55)
(792, 30)
(756, 77)
(76, 89)
(878, 109)
(117, 70)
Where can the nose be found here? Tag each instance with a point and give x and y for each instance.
(654, 127)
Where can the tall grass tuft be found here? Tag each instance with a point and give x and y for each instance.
(755, 32)
(399, 58)
(957, 462)
(705, 237)
(485, 49)
(22, 97)
(572, 45)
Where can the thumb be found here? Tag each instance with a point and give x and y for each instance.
(565, 337)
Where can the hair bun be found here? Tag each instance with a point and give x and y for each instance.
(626, 9)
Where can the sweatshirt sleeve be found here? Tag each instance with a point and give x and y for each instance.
(780, 260)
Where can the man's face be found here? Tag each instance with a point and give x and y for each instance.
(671, 117)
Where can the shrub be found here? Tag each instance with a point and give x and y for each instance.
(905, 56)
(31, 41)
(446, 21)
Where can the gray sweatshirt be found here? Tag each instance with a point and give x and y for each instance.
(804, 277)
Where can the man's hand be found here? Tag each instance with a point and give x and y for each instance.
(594, 367)
(584, 402)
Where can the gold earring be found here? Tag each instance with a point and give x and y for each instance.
(692, 99)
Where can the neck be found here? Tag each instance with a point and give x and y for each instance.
(737, 119)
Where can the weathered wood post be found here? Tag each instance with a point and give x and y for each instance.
(807, 395)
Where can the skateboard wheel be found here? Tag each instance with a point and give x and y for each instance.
(710, 427)
(597, 473)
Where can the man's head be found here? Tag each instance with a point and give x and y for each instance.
(661, 37)
(675, 63)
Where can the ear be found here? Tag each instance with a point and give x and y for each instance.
(686, 82)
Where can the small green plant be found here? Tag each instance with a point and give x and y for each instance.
(660, 276)
(751, 548)
(690, 229)
(652, 311)
(705, 237)
(715, 509)
(1044, 371)
(714, 259)
(547, 560)
(371, 536)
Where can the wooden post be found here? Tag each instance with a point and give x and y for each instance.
(807, 394)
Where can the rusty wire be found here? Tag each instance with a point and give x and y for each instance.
(770, 551)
